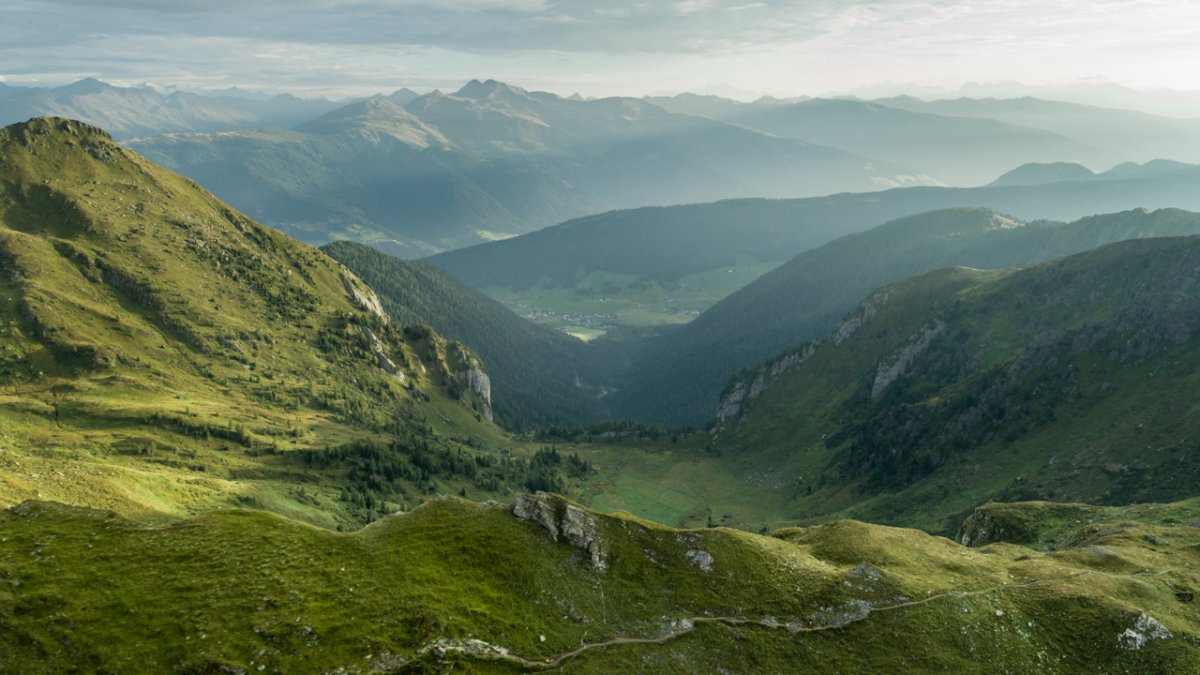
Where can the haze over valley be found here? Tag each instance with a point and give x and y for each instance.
(522, 336)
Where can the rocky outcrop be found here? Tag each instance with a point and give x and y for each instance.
(892, 369)
(479, 382)
(385, 361)
(746, 387)
(562, 519)
(467, 369)
(1145, 628)
(750, 386)
(862, 314)
(363, 296)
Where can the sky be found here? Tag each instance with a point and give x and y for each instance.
(741, 48)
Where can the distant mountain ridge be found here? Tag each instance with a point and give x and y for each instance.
(1057, 172)
(492, 160)
(667, 243)
(138, 111)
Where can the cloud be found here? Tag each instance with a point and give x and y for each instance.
(781, 46)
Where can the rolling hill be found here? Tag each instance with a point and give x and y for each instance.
(547, 585)
(214, 399)
(539, 375)
(676, 378)
(655, 264)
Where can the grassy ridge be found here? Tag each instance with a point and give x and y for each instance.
(171, 355)
(245, 590)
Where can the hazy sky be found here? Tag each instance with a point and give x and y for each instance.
(343, 47)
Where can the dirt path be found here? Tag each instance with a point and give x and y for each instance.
(688, 625)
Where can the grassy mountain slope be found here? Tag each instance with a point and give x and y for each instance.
(160, 353)
(676, 378)
(645, 256)
(1065, 381)
(458, 586)
(539, 375)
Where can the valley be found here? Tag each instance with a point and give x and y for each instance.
(659, 384)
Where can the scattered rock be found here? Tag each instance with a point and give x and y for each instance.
(443, 646)
(701, 559)
(1145, 628)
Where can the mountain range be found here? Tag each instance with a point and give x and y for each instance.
(490, 161)
(224, 450)
(139, 111)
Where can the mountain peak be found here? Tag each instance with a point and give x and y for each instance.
(491, 88)
(88, 85)
(52, 126)
(1035, 173)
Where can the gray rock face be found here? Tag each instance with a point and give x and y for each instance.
(363, 296)
(565, 520)
(865, 312)
(889, 371)
(746, 390)
(480, 383)
(701, 559)
(750, 387)
(385, 361)
(1144, 629)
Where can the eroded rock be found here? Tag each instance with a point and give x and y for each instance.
(566, 520)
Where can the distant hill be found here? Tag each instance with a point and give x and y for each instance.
(1038, 174)
(1113, 135)
(955, 150)
(676, 378)
(1069, 381)
(490, 161)
(619, 254)
(539, 376)
(140, 111)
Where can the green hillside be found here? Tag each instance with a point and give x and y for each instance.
(547, 585)
(656, 266)
(539, 375)
(161, 354)
(677, 378)
(1066, 382)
